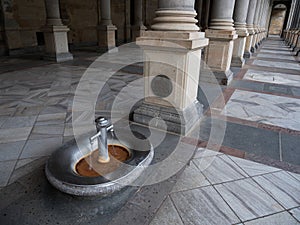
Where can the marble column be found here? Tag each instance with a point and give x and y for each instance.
(221, 34)
(172, 50)
(106, 29)
(240, 16)
(128, 21)
(55, 33)
(11, 28)
(138, 26)
(199, 10)
(256, 25)
(250, 27)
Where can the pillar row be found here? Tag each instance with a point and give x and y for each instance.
(221, 34)
(240, 16)
(56, 40)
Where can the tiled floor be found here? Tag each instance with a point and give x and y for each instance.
(262, 106)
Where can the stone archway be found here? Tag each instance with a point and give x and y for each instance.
(278, 15)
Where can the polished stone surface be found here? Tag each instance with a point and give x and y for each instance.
(276, 219)
(248, 199)
(274, 78)
(263, 108)
(279, 65)
(282, 187)
(272, 56)
(203, 206)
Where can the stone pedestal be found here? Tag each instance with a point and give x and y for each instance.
(106, 29)
(107, 38)
(239, 49)
(254, 40)
(55, 33)
(248, 53)
(171, 71)
(137, 31)
(56, 43)
(218, 55)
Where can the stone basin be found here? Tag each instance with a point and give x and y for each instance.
(60, 168)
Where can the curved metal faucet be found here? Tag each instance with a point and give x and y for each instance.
(103, 126)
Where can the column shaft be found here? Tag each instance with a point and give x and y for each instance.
(250, 27)
(106, 29)
(221, 34)
(138, 27)
(240, 16)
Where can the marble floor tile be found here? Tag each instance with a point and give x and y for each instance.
(275, 52)
(42, 147)
(3, 119)
(247, 199)
(47, 131)
(202, 207)
(280, 65)
(283, 218)
(18, 121)
(6, 169)
(263, 108)
(51, 119)
(11, 151)
(202, 152)
(272, 56)
(23, 162)
(220, 169)
(253, 168)
(273, 78)
(190, 178)
(282, 187)
(296, 175)
(167, 215)
(296, 213)
(14, 134)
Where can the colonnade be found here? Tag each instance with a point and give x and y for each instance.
(292, 34)
(235, 30)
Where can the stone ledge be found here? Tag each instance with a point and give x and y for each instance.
(175, 40)
(221, 34)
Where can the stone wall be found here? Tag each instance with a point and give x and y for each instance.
(82, 19)
(277, 21)
(31, 17)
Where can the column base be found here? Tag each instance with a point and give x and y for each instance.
(220, 77)
(137, 31)
(238, 51)
(177, 121)
(237, 62)
(107, 37)
(219, 54)
(247, 55)
(58, 57)
(56, 43)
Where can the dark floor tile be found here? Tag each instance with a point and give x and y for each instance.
(249, 139)
(290, 148)
(245, 84)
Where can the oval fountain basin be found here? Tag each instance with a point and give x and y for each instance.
(62, 167)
